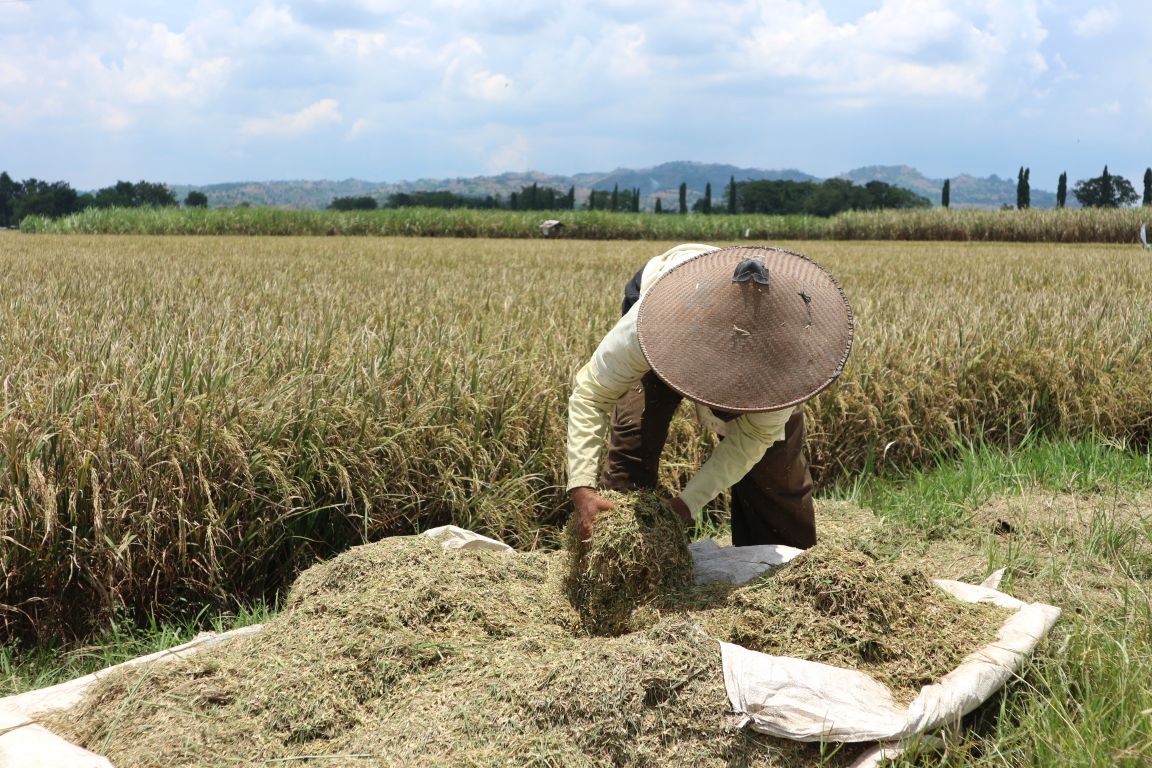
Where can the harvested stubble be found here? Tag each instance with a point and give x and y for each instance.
(638, 553)
(401, 653)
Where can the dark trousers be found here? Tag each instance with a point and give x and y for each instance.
(772, 504)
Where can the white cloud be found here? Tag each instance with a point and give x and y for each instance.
(115, 120)
(358, 129)
(502, 86)
(310, 118)
(10, 74)
(466, 74)
(1109, 108)
(909, 27)
(511, 156)
(627, 56)
(1096, 21)
(363, 45)
(905, 49)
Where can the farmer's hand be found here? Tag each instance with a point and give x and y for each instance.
(586, 504)
(681, 509)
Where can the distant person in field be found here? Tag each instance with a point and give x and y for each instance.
(746, 333)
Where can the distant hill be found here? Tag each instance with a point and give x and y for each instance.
(665, 179)
(660, 181)
(966, 191)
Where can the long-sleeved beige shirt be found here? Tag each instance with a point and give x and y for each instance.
(617, 365)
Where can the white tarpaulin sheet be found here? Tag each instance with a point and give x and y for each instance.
(776, 695)
(808, 701)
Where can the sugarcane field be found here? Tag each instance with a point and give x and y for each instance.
(376, 499)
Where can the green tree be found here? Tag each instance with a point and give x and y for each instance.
(361, 203)
(1147, 186)
(824, 199)
(537, 198)
(125, 194)
(658, 207)
(1105, 191)
(776, 197)
(599, 200)
(732, 195)
(707, 206)
(41, 198)
(196, 199)
(1023, 189)
(946, 194)
(683, 197)
(444, 199)
(148, 193)
(8, 192)
(1062, 190)
(120, 195)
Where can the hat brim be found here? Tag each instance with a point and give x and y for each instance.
(744, 347)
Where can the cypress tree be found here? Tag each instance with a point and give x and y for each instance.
(1148, 186)
(707, 207)
(946, 193)
(732, 195)
(683, 197)
(1062, 190)
(1023, 194)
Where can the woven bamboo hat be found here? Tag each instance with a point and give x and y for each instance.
(746, 329)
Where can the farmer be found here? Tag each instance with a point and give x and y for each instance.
(746, 333)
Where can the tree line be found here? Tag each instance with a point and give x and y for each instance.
(827, 198)
(776, 197)
(57, 198)
(1103, 191)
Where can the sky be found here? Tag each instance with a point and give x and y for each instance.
(207, 91)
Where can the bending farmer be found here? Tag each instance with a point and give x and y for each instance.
(746, 333)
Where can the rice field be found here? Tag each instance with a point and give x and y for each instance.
(193, 420)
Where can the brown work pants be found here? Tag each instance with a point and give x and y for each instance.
(772, 504)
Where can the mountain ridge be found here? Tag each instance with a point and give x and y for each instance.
(661, 181)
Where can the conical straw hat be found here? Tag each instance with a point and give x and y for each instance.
(746, 328)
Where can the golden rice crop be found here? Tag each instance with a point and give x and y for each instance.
(196, 419)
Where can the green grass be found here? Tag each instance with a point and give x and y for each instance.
(939, 498)
(1117, 225)
(30, 667)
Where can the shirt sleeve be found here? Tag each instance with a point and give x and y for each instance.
(748, 437)
(616, 365)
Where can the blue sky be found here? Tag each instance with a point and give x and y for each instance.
(206, 91)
